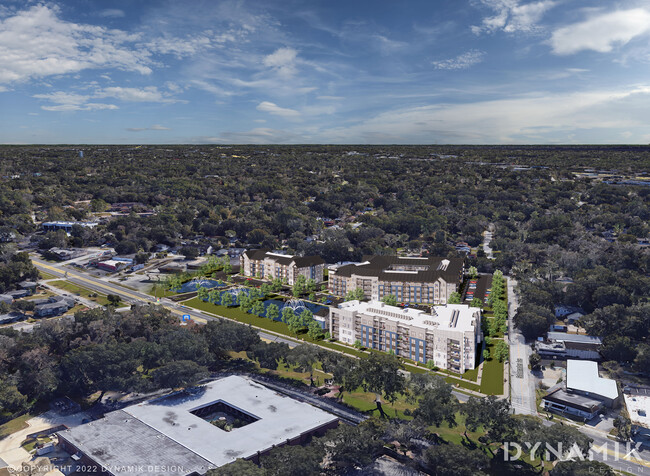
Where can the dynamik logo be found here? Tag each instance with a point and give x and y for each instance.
(613, 451)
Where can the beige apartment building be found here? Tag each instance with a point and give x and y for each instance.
(267, 265)
(427, 280)
(450, 336)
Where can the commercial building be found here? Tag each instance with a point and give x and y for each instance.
(449, 336)
(572, 404)
(411, 279)
(267, 265)
(112, 265)
(582, 378)
(561, 345)
(192, 431)
(637, 401)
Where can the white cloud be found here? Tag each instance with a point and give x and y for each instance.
(37, 43)
(259, 135)
(155, 127)
(112, 13)
(282, 60)
(512, 17)
(147, 94)
(541, 117)
(462, 61)
(602, 32)
(65, 101)
(271, 108)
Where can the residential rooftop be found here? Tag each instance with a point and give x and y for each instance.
(459, 317)
(405, 268)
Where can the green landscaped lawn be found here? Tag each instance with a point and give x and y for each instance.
(45, 275)
(365, 402)
(75, 289)
(17, 424)
(492, 379)
(462, 384)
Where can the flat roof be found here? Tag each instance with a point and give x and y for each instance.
(448, 317)
(280, 418)
(429, 269)
(638, 407)
(583, 375)
(573, 400)
(565, 337)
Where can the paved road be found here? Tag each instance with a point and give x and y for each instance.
(522, 382)
(131, 296)
(616, 454)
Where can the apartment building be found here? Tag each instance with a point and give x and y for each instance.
(449, 336)
(428, 280)
(267, 265)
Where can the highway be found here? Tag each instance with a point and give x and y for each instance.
(131, 297)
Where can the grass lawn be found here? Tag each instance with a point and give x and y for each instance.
(492, 379)
(17, 424)
(78, 290)
(45, 275)
(461, 383)
(365, 402)
(471, 374)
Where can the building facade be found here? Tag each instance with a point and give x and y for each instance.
(449, 336)
(428, 280)
(264, 264)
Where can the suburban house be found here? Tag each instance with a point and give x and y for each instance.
(55, 306)
(450, 336)
(411, 279)
(66, 225)
(267, 265)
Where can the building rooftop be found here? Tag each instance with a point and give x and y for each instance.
(301, 261)
(573, 400)
(564, 337)
(183, 437)
(583, 375)
(459, 317)
(405, 268)
(638, 407)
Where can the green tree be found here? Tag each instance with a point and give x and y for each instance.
(356, 294)
(202, 293)
(390, 299)
(534, 360)
(472, 272)
(456, 460)
(454, 298)
(179, 373)
(382, 376)
(501, 351)
(293, 460)
(113, 300)
(287, 314)
(257, 308)
(305, 357)
(314, 330)
(226, 299)
(272, 312)
(239, 467)
(435, 401)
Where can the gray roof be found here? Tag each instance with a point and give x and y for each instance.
(564, 337)
(582, 375)
(6, 298)
(121, 441)
(165, 431)
(380, 266)
(573, 400)
(285, 260)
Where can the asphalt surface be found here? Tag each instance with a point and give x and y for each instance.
(522, 382)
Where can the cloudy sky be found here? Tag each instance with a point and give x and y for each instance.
(333, 71)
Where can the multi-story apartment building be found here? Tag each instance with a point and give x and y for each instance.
(266, 265)
(449, 336)
(411, 279)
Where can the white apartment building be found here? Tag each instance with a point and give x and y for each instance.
(449, 336)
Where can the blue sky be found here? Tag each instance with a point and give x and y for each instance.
(289, 71)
